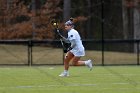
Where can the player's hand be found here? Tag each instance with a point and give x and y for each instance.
(65, 51)
(70, 48)
(60, 37)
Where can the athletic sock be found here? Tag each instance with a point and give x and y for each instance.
(86, 62)
(65, 71)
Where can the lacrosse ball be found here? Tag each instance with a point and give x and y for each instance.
(54, 24)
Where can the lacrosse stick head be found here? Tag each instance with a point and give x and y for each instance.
(54, 23)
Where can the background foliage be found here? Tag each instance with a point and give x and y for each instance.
(31, 19)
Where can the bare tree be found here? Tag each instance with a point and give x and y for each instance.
(125, 19)
(33, 17)
(66, 9)
(128, 18)
(89, 20)
(136, 22)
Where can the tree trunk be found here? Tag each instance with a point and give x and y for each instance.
(66, 10)
(33, 18)
(136, 23)
(125, 20)
(9, 2)
(89, 33)
(9, 6)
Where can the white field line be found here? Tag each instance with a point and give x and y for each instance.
(121, 74)
(121, 83)
(120, 88)
(53, 85)
(31, 86)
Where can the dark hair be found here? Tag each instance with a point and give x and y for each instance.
(71, 19)
(70, 22)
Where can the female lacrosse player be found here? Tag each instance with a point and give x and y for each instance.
(75, 51)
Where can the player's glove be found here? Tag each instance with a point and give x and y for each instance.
(65, 51)
(70, 48)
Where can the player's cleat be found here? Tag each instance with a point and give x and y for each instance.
(89, 64)
(64, 74)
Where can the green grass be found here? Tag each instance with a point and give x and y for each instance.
(45, 79)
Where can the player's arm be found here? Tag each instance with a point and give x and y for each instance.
(73, 44)
(65, 40)
(62, 37)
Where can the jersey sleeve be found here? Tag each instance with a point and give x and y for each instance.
(71, 36)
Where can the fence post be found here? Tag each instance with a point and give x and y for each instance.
(102, 28)
(63, 56)
(138, 53)
(30, 52)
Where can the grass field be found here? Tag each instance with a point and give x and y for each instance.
(45, 79)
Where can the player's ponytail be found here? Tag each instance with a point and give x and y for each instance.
(71, 19)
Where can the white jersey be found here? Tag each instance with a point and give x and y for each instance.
(78, 49)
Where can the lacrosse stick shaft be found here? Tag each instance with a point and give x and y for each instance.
(59, 33)
(62, 44)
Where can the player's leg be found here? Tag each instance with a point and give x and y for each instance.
(88, 63)
(77, 62)
(67, 59)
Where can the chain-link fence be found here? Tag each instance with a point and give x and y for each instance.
(29, 52)
(109, 29)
